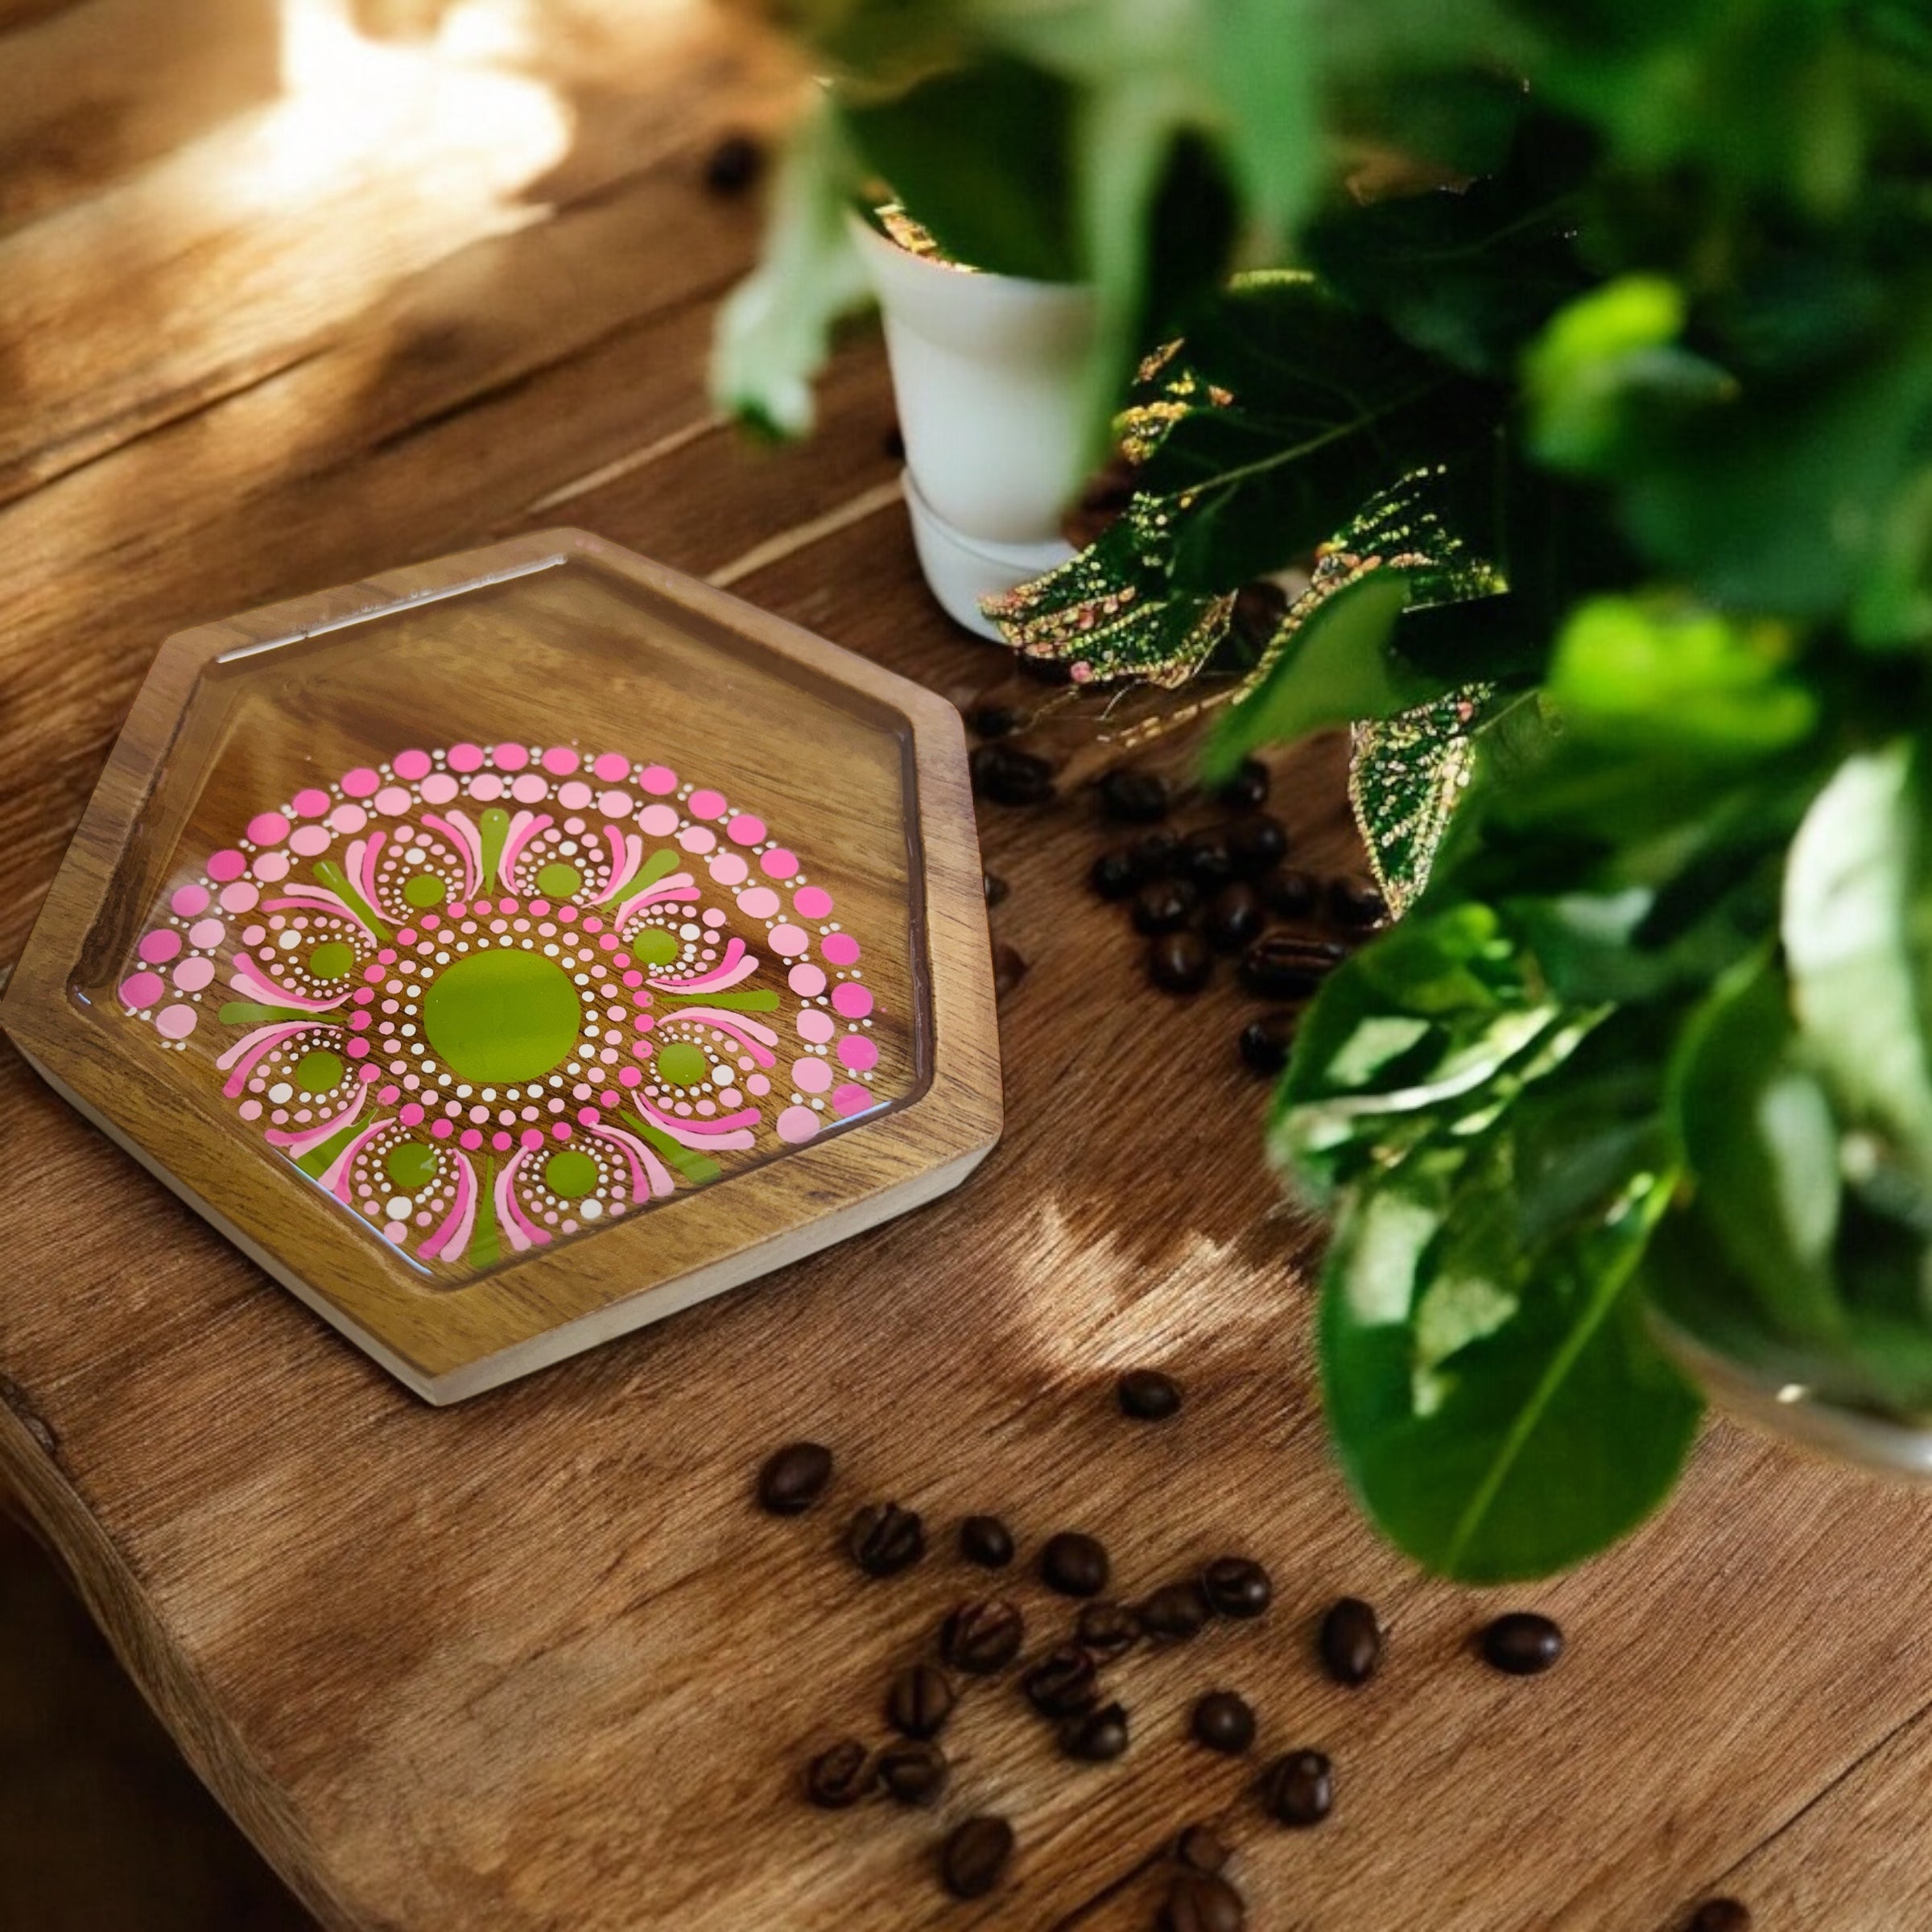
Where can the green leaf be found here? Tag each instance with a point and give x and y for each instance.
(775, 329)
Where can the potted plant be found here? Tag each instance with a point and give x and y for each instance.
(1617, 449)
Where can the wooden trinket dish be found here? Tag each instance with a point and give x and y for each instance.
(511, 951)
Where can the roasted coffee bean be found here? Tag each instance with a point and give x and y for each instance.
(1246, 789)
(986, 1541)
(795, 1478)
(1201, 1902)
(1292, 895)
(1720, 1915)
(1108, 1629)
(1234, 918)
(733, 165)
(1299, 1789)
(1008, 969)
(1075, 1564)
(839, 1776)
(1350, 1643)
(991, 721)
(1044, 670)
(1114, 875)
(1145, 1395)
(1180, 962)
(1200, 1847)
(1257, 843)
(1204, 858)
(885, 1539)
(1237, 1586)
(894, 444)
(1522, 1643)
(1134, 798)
(982, 1635)
(1154, 854)
(1163, 906)
(1062, 1683)
(1176, 1611)
(1357, 902)
(913, 1772)
(1264, 1043)
(1259, 607)
(975, 1857)
(1224, 1722)
(992, 887)
(1097, 1737)
(919, 1701)
(1282, 966)
(1009, 776)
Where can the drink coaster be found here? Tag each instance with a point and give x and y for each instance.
(509, 951)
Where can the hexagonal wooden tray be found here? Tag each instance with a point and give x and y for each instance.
(509, 951)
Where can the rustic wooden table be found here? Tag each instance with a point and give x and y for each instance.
(289, 300)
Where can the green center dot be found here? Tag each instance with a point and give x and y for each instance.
(557, 881)
(569, 1174)
(655, 947)
(331, 959)
(411, 1165)
(317, 1072)
(425, 889)
(682, 1064)
(501, 1016)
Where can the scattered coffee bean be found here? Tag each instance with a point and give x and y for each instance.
(1145, 1395)
(839, 1776)
(1204, 857)
(1164, 904)
(1264, 1043)
(1097, 1737)
(1259, 607)
(894, 444)
(1357, 902)
(1522, 1643)
(1299, 1789)
(795, 1478)
(1292, 895)
(1108, 1629)
(733, 165)
(1044, 670)
(913, 1772)
(1351, 1641)
(1075, 1564)
(975, 1857)
(1201, 1847)
(1720, 1915)
(1201, 1902)
(1154, 854)
(1237, 1586)
(991, 721)
(1062, 1683)
(982, 1635)
(1247, 789)
(885, 1539)
(992, 887)
(1176, 1611)
(986, 1541)
(1134, 798)
(1224, 1722)
(1008, 969)
(1180, 962)
(1009, 776)
(1234, 918)
(1282, 966)
(919, 1701)
(1257, 843)
(1114, 875)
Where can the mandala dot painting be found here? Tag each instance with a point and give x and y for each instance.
(489, 996)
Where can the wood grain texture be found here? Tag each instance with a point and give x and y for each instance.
(536, 1662)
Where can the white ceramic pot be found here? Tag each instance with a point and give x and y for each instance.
(987, 371)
